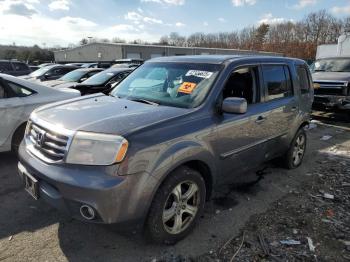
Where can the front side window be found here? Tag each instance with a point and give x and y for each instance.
(242, 83)
(174, 84)
(19, 91)
(303, 77)
(277, 81)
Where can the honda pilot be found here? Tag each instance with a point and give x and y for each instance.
(154, 150)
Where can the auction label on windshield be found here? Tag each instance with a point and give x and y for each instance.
(187, 87)
(198, 73)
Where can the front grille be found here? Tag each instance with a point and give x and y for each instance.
(338, 88)
(320, 99)
(46, 143)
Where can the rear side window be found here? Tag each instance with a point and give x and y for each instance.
(277, 81)
(20, 66)
(5, 66)
(304, 80)
(19, 91)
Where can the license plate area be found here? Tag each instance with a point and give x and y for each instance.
(31, 185)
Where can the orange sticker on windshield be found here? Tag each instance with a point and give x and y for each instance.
(187, 87)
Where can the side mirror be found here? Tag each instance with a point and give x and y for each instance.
(82, 79)
(234, 105)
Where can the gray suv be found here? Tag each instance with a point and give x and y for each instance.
(155, 149)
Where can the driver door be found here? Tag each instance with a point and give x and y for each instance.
(240, 143)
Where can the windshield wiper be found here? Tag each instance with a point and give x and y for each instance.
(144, 101)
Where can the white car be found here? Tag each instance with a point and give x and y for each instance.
(18, 98)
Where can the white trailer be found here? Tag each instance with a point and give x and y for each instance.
(342, 48)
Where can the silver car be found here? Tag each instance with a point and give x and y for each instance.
(18, 98)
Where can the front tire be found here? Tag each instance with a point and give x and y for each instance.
(176, 207)
(295, 154)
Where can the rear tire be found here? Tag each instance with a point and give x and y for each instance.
(295, 154)
(17, 139)
(176, 207)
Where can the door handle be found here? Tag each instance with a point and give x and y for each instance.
(293, 109)
(260, 119)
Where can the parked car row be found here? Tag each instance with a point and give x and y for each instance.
(19, 96)
(152, 148)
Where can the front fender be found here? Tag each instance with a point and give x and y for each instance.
(179, 154)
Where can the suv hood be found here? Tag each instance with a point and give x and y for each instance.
(105, 114)
(336, 76)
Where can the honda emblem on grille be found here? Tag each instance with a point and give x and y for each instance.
(40, 138)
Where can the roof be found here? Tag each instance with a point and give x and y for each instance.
(216, 59)
(164, 46)
(334, 57)
(117, 69)
(87, 69)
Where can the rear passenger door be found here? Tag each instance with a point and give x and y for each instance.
(280, 107)
(12, 107)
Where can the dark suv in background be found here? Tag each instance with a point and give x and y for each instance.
(154, 149)
(14, 68)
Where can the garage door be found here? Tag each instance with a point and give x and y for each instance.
(133, 55)
(155, 55)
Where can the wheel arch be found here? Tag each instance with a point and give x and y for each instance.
(19, 128)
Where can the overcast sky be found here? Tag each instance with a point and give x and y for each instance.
(60, 22)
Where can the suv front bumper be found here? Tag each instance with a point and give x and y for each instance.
(115, 199)
(340, 102)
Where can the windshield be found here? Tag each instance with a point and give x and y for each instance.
(331, 65)
(175, 84)
(100, 78)
(73, 76)
(40, 71)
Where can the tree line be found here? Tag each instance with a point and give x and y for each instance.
(291, 38)
(295, 39)
(31, 55)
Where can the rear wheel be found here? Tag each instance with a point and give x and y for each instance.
(176, 206)
(295, 154)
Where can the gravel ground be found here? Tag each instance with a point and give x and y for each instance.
(310, 223)
(280, 205)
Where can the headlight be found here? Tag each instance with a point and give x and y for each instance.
(96, 149)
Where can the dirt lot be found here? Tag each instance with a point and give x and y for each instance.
(246, 222)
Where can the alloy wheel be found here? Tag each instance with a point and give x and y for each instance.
(299, 149)
(181, 207)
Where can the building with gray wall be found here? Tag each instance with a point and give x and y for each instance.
(103, 52)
